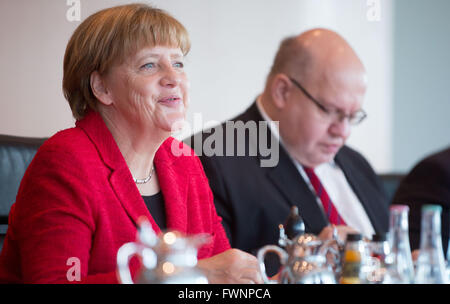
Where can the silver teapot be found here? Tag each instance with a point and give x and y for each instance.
(170, 258)
(306, 260)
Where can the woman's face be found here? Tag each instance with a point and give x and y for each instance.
(149, 90)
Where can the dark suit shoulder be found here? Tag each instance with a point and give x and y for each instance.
(437, 163)
(428, 181)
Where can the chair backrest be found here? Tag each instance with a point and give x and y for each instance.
(391, 181)
(16, 154)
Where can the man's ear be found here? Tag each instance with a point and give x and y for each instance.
(280, 89)
(99, 89)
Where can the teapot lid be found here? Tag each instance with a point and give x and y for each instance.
(294, 224)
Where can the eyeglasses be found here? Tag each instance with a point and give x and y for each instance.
(333, 114)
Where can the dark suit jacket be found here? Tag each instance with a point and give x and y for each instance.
(253, 201)
(427, 183)
(78, 199)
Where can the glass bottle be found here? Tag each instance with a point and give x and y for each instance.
(381, 251)
(352, 260)
(448, 261)
(401, 270)
(430, 263)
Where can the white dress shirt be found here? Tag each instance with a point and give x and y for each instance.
(333, 180)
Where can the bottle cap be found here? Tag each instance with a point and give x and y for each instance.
(379, 237)
(354, 237)
(399, 208)
(435, 208)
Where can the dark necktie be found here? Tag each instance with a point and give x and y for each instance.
(328, 206)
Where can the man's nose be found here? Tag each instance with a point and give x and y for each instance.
(341, 128)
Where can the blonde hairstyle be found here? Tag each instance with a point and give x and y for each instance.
(108, 37)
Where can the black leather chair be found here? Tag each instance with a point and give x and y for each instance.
(16, 154)
(391, 181)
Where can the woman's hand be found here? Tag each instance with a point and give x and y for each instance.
(231, 267)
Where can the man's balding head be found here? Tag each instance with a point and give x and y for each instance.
(312, 53)
(326, 66)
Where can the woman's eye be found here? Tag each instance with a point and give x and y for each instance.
(149, 65)
(178, 64)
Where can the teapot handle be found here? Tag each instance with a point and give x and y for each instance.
(261, 255)
(125, 252)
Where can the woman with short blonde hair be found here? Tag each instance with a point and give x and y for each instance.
(87, 186)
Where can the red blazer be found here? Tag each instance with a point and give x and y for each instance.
(78, 199)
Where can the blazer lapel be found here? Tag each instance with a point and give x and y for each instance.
(290, 183)
(130, 198)
(174, 184)
(363, 189)
(120, 178)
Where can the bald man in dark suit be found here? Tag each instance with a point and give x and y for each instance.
(314, 91)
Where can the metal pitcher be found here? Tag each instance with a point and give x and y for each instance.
(306, 260)
(170, 258)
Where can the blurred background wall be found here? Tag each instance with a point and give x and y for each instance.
(421, 104)
(402, 44)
